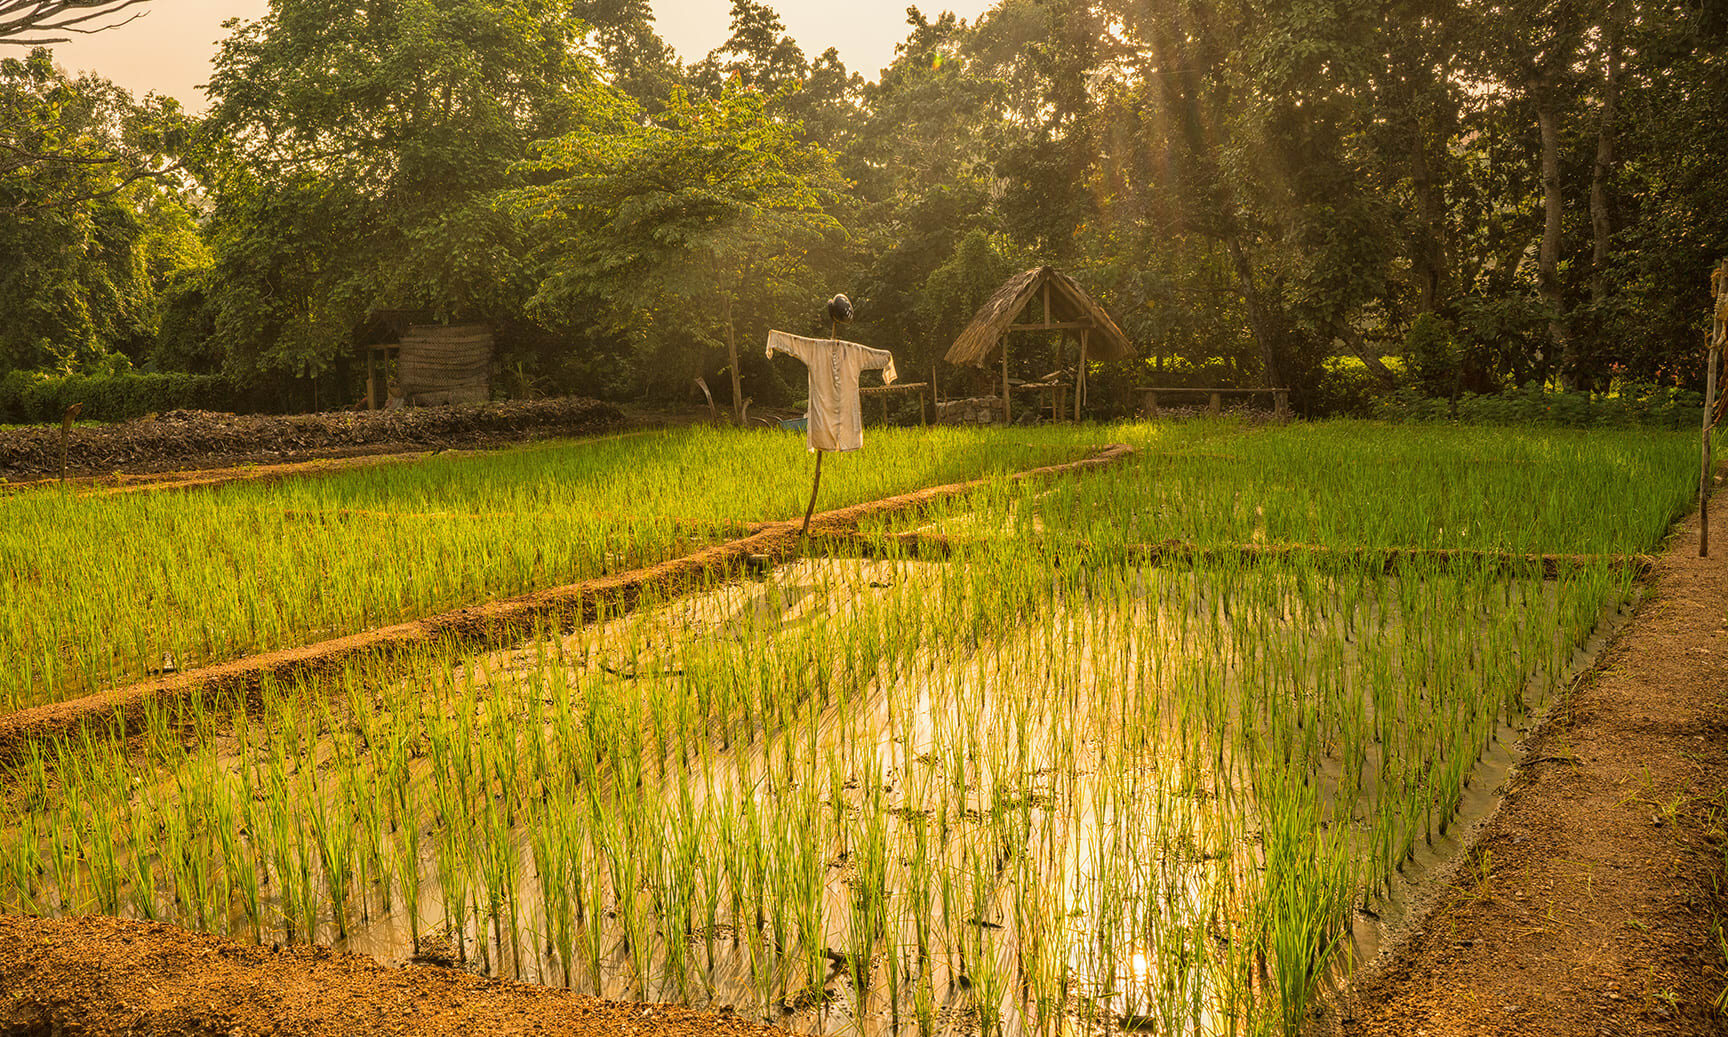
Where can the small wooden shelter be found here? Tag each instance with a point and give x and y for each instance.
(436, 363)
(1066, 307)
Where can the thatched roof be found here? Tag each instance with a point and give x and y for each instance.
(1068, 303)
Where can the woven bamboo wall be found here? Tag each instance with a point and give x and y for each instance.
(445, 364)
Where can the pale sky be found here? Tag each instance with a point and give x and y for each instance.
(169, 49)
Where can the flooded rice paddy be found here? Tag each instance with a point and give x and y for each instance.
(1027, 794)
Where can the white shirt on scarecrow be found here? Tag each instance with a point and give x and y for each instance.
(836, 415)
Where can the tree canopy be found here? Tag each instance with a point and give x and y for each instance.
(1347, 197)
(90, 234)
(684, 230)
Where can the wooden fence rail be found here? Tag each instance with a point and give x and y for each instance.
(1149, 398)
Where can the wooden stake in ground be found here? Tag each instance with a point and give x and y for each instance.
(1719, 288)
(66, 420)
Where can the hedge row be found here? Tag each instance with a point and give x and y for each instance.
(30, 398)
(1633, 406)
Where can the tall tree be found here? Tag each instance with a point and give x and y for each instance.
(637, 61)
(86, 242)
(702, 226)
(922, 163)
(360, 145)
(1045, 56)
(758, 54)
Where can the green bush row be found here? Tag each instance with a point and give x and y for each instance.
(29, 398)
(1630, 406)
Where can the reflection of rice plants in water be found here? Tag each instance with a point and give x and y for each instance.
(860, 791)
(1037, 790)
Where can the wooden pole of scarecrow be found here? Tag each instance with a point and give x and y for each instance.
(833, 333)
(811, 510)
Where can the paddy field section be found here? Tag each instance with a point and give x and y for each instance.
(103, 589)
(1055, 781)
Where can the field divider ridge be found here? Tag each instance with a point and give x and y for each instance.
(941, 546)
(493, 624)
(705, 527)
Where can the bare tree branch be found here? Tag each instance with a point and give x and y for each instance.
(21, 21)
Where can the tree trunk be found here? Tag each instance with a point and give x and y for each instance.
(1258, 319)
(1428, 258)
(1548, 262)
(1353, 339)
(732, 361)
(1601, 220)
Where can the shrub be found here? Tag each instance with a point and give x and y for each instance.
(1631, 405)
(28, 398)
(1346, 388)
(1432, 355)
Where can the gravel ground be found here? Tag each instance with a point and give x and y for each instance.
(187, 439)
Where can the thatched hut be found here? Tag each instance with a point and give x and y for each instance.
(1066, 308)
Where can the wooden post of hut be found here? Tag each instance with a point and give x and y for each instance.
(1080, 373)
(1067, 308)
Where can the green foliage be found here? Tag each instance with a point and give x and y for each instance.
(1255, 190)
(356, 147)
(1431, 355)
(954, 291)
(186, 337)
(1632, 405)
(92, 223)
(712, 222)
(758, 55)
(1347, 388)
(921, 162)
(638, 62)
(27, 398)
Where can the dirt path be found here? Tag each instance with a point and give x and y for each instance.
(102, 977)
(197, 478)
(1589, 903)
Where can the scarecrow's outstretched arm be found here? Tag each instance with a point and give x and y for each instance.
(791, 345)
(879, 360)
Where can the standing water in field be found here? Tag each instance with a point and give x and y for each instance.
(1032, 793)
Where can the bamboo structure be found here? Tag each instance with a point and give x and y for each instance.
(1066, 308)
(1718, 328)
(1215, 397)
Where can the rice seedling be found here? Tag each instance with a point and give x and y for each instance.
(1044, 785)
(200, 576)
